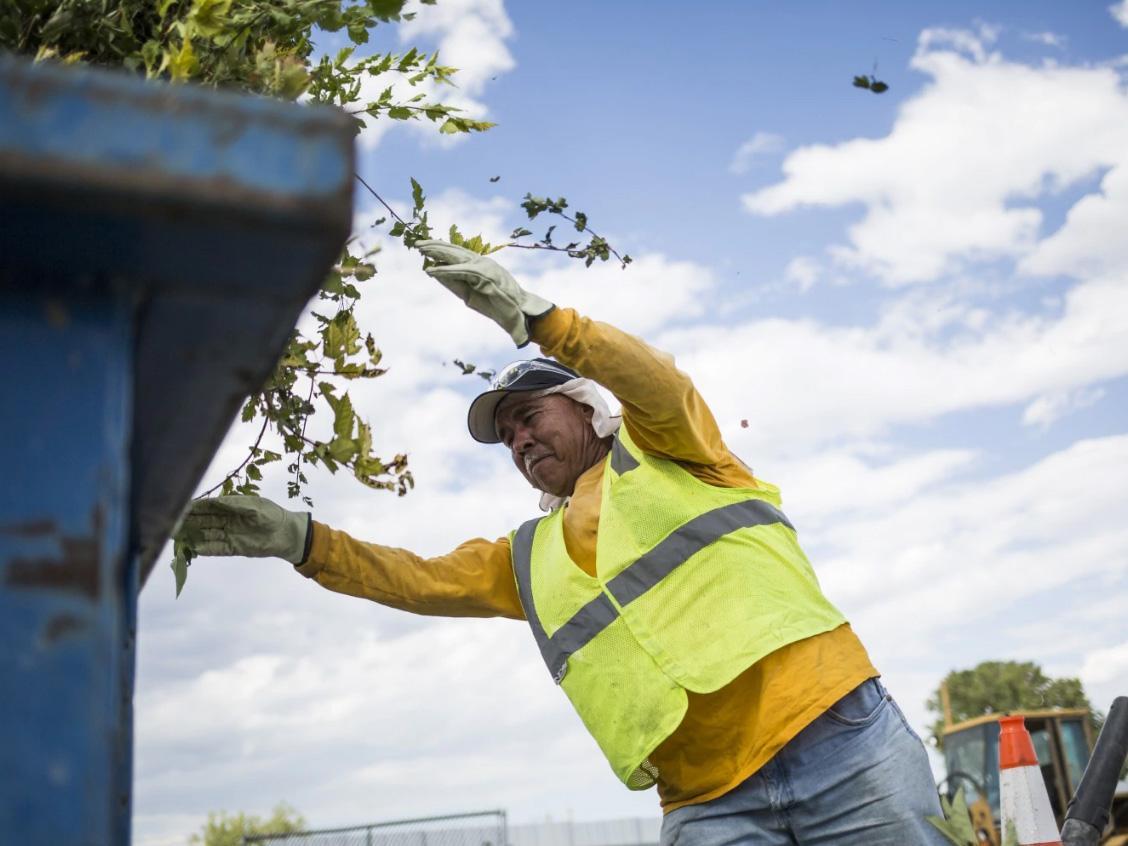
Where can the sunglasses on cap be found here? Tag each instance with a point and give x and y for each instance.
(548, 371)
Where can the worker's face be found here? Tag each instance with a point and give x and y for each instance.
(550, 439)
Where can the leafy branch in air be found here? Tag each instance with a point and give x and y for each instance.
(468, 367)
(596, 247)
(268, 48)
(871, 82)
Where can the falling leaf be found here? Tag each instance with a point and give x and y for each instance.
(494, 178)
(743, 424)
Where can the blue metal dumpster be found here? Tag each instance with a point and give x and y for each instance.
(157, 245)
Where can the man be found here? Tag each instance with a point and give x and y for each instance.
(665, 589)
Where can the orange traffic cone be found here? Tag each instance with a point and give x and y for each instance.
(1026, 805)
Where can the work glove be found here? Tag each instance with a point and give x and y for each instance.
(245, 525)
(486, 287)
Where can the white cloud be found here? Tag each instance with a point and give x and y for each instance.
(1049, 39)
(1091, 241)
(1120, 12)
(1104, 669)
(1004, 540)
(832, 483)
(758, 145)
(1049, 408)
(972, 44)
(470, 35)
(803, 272)
(809, 383)
(953, 181)
(1104, 665)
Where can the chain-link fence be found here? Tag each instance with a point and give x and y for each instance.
(485, 828)
(637, 831)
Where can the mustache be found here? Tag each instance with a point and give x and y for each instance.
(532, 458)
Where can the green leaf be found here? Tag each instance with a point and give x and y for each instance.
(358, 32)
(253, 472)
(292, 79)
(417, 197)
(210, 16)
(374, 354)
(343, 416)
(182, 556)
(342, 449)
(183, 63)
(956, 823)
(341, 336)
(150, 54)
(408, 59)
(249, 410)
(581, 221)
(399, 113)
(942, 825)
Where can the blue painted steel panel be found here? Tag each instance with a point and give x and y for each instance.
(157, 244)
(67, 584)
(218, 214)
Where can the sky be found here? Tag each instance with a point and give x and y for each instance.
(916, 301)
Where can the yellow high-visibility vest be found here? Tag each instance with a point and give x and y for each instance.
(693, 585)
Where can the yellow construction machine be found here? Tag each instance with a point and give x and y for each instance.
(1063, 740)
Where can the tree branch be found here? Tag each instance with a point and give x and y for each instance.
(250, 455)
(372, 190)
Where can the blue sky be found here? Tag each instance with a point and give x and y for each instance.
(917, 300)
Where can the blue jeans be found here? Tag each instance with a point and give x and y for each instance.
(857, 775)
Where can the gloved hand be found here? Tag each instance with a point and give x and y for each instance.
(245, 525)
(486, 287)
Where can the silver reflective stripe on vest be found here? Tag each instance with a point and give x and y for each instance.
(621, 460)
(585, 624)
(689, 539)
(631, 583)
(522, 568)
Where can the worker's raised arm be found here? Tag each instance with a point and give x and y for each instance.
(662, 409)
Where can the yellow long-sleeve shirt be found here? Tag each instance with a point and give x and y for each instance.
(725, 736)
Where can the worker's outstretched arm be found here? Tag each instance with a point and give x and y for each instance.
(475, 580)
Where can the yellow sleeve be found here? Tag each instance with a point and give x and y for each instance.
(662, 410)
(475, 580)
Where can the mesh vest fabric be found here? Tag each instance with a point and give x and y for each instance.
(693, 585)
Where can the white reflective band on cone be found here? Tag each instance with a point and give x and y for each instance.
(1026, 804)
